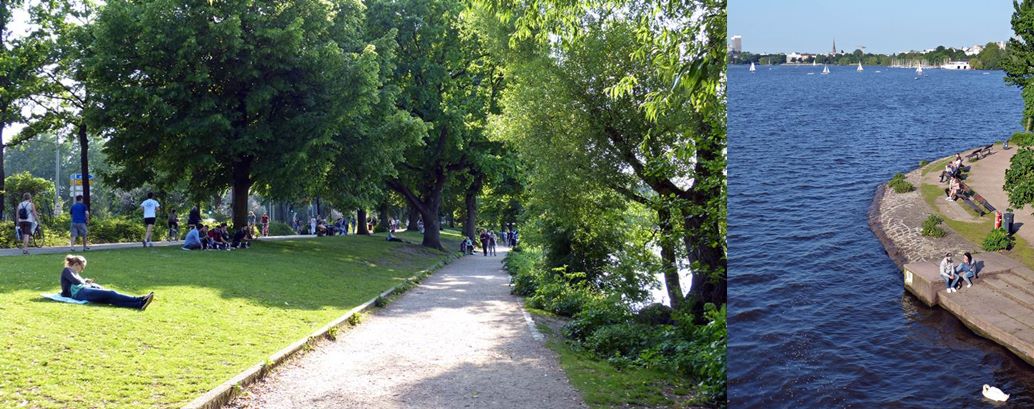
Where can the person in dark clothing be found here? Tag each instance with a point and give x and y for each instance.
(84, 289)
(194, 218)
(484, 242)
(240, 238)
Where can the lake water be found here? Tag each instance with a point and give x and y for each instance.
(818, 317)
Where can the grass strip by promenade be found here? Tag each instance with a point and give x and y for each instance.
(215, 314)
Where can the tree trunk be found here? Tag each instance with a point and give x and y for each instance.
(470, 201)
(432, 228)
(3, 203)
(711, 284)
(428, 206)
(360, 221)
(669, 262)
(414, 219)
(382, 217)
(84, 163)
(241, 184)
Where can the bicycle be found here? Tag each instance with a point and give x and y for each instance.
(37, 237)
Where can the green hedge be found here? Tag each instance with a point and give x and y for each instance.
(280, 229)
(899, 184)
(654, 337)
(1022, 139)
(996, 240)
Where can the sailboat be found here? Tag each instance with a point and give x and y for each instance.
(814, 63)
(919, 69)
(859, 69)
(825, 69)
(752, 66)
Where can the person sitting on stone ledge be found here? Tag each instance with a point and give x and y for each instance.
(948, 173)
(966, 270)
(947, 272)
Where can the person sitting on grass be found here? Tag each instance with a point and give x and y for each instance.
(947, 272)
(84, 289)
(966, 269)
(240, 238)
(216, 239)
(193, 240)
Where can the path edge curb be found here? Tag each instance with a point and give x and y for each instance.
(222, 394)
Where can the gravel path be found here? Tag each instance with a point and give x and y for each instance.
(458, 340)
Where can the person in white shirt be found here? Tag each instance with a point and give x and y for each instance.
(150, 207)
(27, 217)
(947, 272)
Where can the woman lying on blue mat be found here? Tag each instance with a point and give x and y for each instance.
(85, 289)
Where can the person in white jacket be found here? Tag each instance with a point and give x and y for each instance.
(947, 271)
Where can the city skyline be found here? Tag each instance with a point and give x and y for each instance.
(881, 26)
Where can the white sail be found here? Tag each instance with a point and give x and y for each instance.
(751, 67)
(860, 69)
(919, 69)
(825, 69)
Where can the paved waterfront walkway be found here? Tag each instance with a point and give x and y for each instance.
(1000, 305)
(458, 340)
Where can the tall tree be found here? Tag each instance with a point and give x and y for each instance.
(446, 80)
(1019, 66)
(651, 130)
(230, 93)
(22, 60)
(64, 96)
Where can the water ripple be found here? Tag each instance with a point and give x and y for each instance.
(817, 314)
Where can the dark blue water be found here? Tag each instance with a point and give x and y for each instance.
(818, 317)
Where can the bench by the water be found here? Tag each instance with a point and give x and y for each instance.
(980, 153)
(969, 196)
(999, 306)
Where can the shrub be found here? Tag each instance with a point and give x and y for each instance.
(280, 229)
(655, 314)
(923, 163)
(1019, 178)
(596, 312)
(626, 339)
(1022, 139)
(525, 273)
(997, 240)
(899, 184)
(931, 228)
(7, 239)
(117, 229)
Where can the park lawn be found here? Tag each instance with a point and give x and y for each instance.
(215, 314)
(976, 232)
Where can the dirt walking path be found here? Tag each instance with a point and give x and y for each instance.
(458, 340)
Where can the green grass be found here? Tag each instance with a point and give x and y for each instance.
(215, 314)
(602, 385)
(976, 232)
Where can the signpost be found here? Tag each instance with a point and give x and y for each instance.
(75, 184)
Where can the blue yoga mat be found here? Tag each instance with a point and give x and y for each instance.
(57, 297)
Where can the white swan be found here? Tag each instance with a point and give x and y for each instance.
(995, 394)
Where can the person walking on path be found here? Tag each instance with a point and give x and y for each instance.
(194, 217)
(151, 208)
(265, 224)
(27, 219)
(80, 216)
(251, 221)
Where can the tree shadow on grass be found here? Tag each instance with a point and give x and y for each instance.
(331, 272)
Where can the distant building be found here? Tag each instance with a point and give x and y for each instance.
(974, 49)
(834, 52)
(798, 58)
(737, 44)
(955, 65)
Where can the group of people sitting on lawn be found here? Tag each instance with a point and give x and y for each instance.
(952, 273)
(200, 237)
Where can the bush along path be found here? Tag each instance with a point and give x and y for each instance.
(458, 340)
